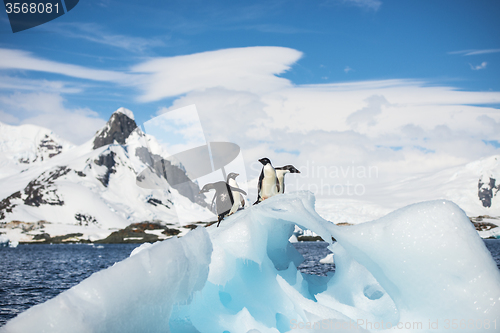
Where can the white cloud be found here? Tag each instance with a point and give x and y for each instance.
(364, 4)
(40, 101)
(95, 33)
(47, 110)
(400, 126)
(178, 130)
(21, 60)
(347, 69)
(366, 116)
(478, 67)
(227, 114)
(475, 52)
(252, 69)
(368, 4)
(16, 83)
(8, 118)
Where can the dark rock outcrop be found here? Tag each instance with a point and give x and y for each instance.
(85, 219)
(158, 202)
(486, 191)
(46, 147)
(7, 204)
(117, 129)
(45, 238)
(39, 191)
(484, 226)
(185, 186)
(312, 239)
(49, 145)
(309, 239)
(173, 174)
(107, 160)
(136, 233)
(480, 225)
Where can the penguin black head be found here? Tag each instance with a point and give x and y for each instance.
(265, 161)
(219, 186)
(207, 188)
(232, 175)
(291, 168)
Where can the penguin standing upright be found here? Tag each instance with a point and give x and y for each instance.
(268, 182)
(223, 197)
(281, 172)
(237, 197)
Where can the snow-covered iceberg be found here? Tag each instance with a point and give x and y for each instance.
(421, 268)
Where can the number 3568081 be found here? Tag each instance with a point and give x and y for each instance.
(31, 8)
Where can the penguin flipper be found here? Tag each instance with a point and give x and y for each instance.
(212, 206)
(261, 177)
(259, 186)
(237, 190)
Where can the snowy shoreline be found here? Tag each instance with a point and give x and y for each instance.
(17, 232)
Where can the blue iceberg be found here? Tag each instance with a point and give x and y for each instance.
(421, 268)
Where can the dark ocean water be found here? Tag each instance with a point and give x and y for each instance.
(32, 274)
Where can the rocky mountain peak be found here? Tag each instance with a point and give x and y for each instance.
(118, 128)
(488, 185)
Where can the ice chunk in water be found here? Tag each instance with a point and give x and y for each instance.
(135, 295)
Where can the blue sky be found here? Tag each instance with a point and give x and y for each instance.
(341, 40)
(357, 76)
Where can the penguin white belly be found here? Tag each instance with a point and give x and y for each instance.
(268, 186)
(236, 196)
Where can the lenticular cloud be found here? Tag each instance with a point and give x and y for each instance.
(252, 69)
(421, 268)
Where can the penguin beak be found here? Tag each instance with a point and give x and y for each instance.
(261, 161)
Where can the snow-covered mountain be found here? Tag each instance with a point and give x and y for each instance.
(24, 146)
(473, 186)
(94, 185)
(48, 186)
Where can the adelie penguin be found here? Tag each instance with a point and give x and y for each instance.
(281, 172)
(237, 197)
(268, 182)
(224, 200)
